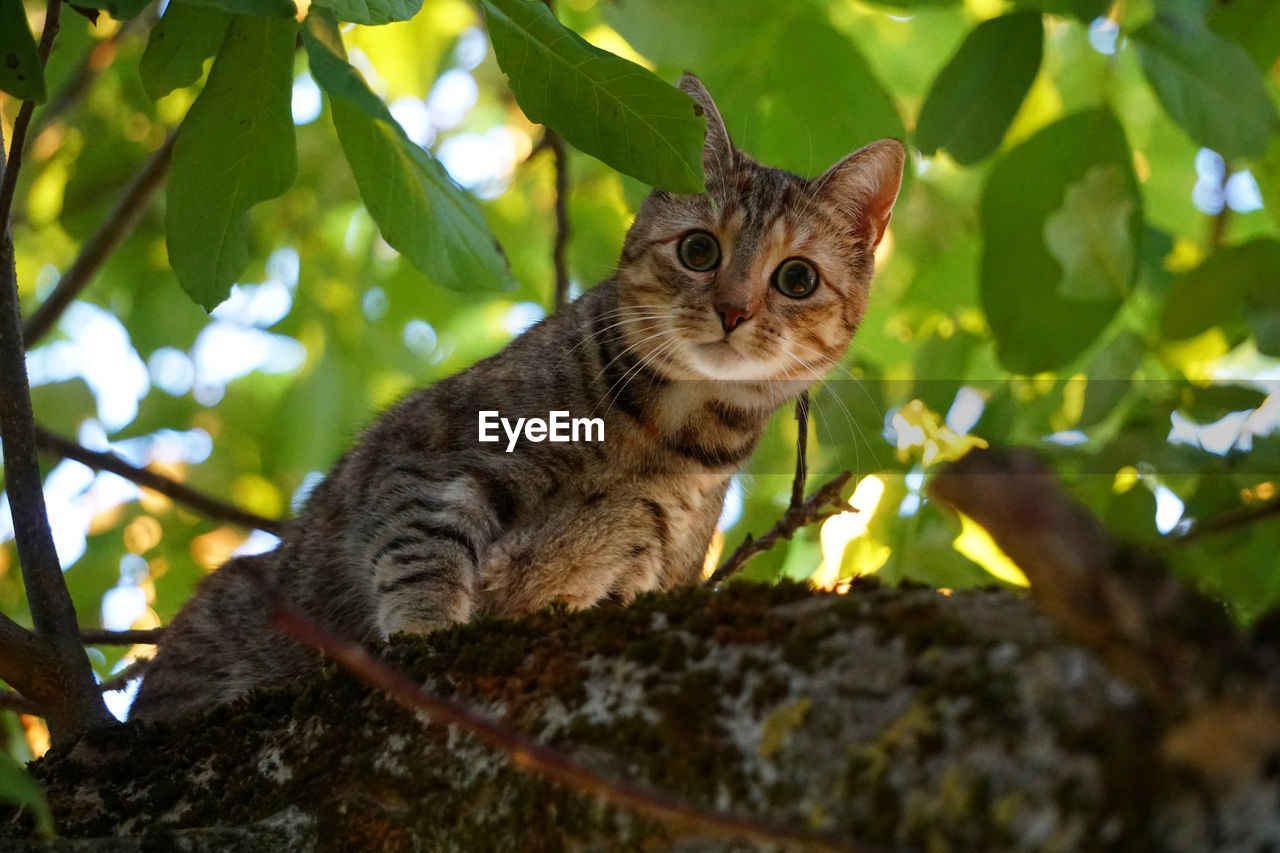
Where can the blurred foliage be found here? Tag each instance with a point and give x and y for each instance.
(1065, 260)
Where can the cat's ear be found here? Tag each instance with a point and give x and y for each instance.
(717, 151)
(866, 184)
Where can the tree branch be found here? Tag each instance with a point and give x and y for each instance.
(810, 511)
(802, 448)
(95, 251)
(536, 757)
(62, 683)
(99, 637)
(10, 701)
(560, 156)
(1117, 602)
(197, 500)
(1241, 517)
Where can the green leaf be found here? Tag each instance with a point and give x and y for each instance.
(422, 214)
(20, 72)
(370, 12)
(1212, 293)
(260, 8)
(1083, 10)
(1110, 376)
(235, 148)
(1262, 312)
(180, 42)
(1208, 85)
(602, 104)
(974, 98)
(802, 114)
(1035, 326)
(18, 786)
(121, 10)
(1252, 24)
(1089, 235)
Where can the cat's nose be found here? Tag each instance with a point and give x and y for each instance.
(731, 317)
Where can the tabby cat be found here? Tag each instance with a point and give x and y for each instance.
(725, 305)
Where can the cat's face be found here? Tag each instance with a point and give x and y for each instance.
(765, 276)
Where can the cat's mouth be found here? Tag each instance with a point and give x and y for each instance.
(720, 359)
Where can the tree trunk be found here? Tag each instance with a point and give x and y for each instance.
(899, 718)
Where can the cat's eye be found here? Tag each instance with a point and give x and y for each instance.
(795, 277)
(699, 251)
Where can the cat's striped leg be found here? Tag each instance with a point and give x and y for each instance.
(425, 536)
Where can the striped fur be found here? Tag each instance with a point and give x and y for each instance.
(420, 525)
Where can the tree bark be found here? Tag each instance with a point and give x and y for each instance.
(893, 718)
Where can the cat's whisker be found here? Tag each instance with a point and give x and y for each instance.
(644, 361)
(594, 335)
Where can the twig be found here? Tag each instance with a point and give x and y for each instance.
(10, 701)
(535, 757)
(811, 511)
(560, 157)
(197, 500)
(50, 666)
(802, 448)
(121, 679)
(1231, 520)
(95, 251)
(99, 637)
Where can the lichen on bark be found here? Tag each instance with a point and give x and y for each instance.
(896, 717)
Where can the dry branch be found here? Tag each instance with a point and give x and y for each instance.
(819, 506)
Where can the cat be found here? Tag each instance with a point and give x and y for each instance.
(724, 305)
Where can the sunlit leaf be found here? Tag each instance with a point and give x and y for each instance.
(17, 786)
(1212, 293)
(20, 72)
(804, 113)
(1035, 325)
(179, 44)
(976, 95)
(420, 211)
(370, 12)
(1090, 237)
(235, 149)
(1208, 85)
(603, 104)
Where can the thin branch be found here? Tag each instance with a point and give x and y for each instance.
(802, 448)
(121, 679)
(1227, 521)
(10, 701)
(99, 637)
(819, 506)
(560, 156)
(197, 500)
(536, 757)
(62, 681)
(113, 229)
